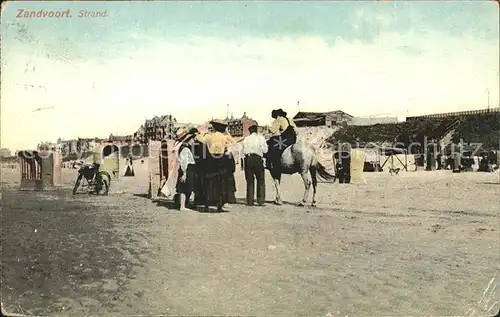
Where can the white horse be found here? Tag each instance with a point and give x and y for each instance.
(300, 158)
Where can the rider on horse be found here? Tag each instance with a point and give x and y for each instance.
(284, 135)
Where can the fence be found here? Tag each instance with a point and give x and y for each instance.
(455, 114)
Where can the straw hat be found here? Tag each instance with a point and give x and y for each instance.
(181, 133)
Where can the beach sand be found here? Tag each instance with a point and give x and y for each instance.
(421, 243)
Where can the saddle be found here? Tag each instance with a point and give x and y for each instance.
(274, 161)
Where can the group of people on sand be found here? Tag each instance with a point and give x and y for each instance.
(207, 165)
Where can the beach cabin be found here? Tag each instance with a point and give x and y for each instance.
(108, 156)
(40, 170)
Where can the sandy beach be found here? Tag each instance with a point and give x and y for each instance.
(421, 243)
(337, 89)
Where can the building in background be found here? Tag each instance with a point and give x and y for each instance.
(67, 146)
(5, 152)
(178, 125)
(239, 127)
(156, 129)
(361, 121)
(328, 119)
(119, 139)
(47, 146)
(77, 145)
(139, 135)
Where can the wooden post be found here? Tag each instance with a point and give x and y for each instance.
(155, 168)
(356, 166)
(457, 160)
(162, 162)
(169, 166)
(430, 161)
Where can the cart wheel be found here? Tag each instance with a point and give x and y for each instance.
(104, 185)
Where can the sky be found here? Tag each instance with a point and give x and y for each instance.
(96, 76)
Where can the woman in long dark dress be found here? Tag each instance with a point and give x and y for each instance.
(199, 152)
(217, 174)
(130, 167)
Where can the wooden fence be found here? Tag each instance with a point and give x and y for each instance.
(455, 114)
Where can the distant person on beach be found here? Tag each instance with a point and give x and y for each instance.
(130, 167)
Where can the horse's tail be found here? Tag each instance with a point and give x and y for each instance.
(323, 173)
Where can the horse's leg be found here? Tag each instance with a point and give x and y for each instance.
(314, 179)
(277, 180)
(307, 184)
(278, 200)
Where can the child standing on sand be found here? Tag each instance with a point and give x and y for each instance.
(186, 177)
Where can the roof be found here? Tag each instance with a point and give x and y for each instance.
(319, 115)
(160, 120)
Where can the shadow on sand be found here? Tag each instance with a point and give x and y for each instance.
(141, 195)
(242, 201)
(171, 204)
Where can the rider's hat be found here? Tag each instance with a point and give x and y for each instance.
(281, 113)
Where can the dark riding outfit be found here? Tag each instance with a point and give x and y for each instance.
(278, 143)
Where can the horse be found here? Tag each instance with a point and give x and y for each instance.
(300, 158)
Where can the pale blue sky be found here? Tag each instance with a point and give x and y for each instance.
(192, 58)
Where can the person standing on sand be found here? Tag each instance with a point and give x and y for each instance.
(186, 179)
(130, 167)
(254, 149)
(218, 168)
(197, 148)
